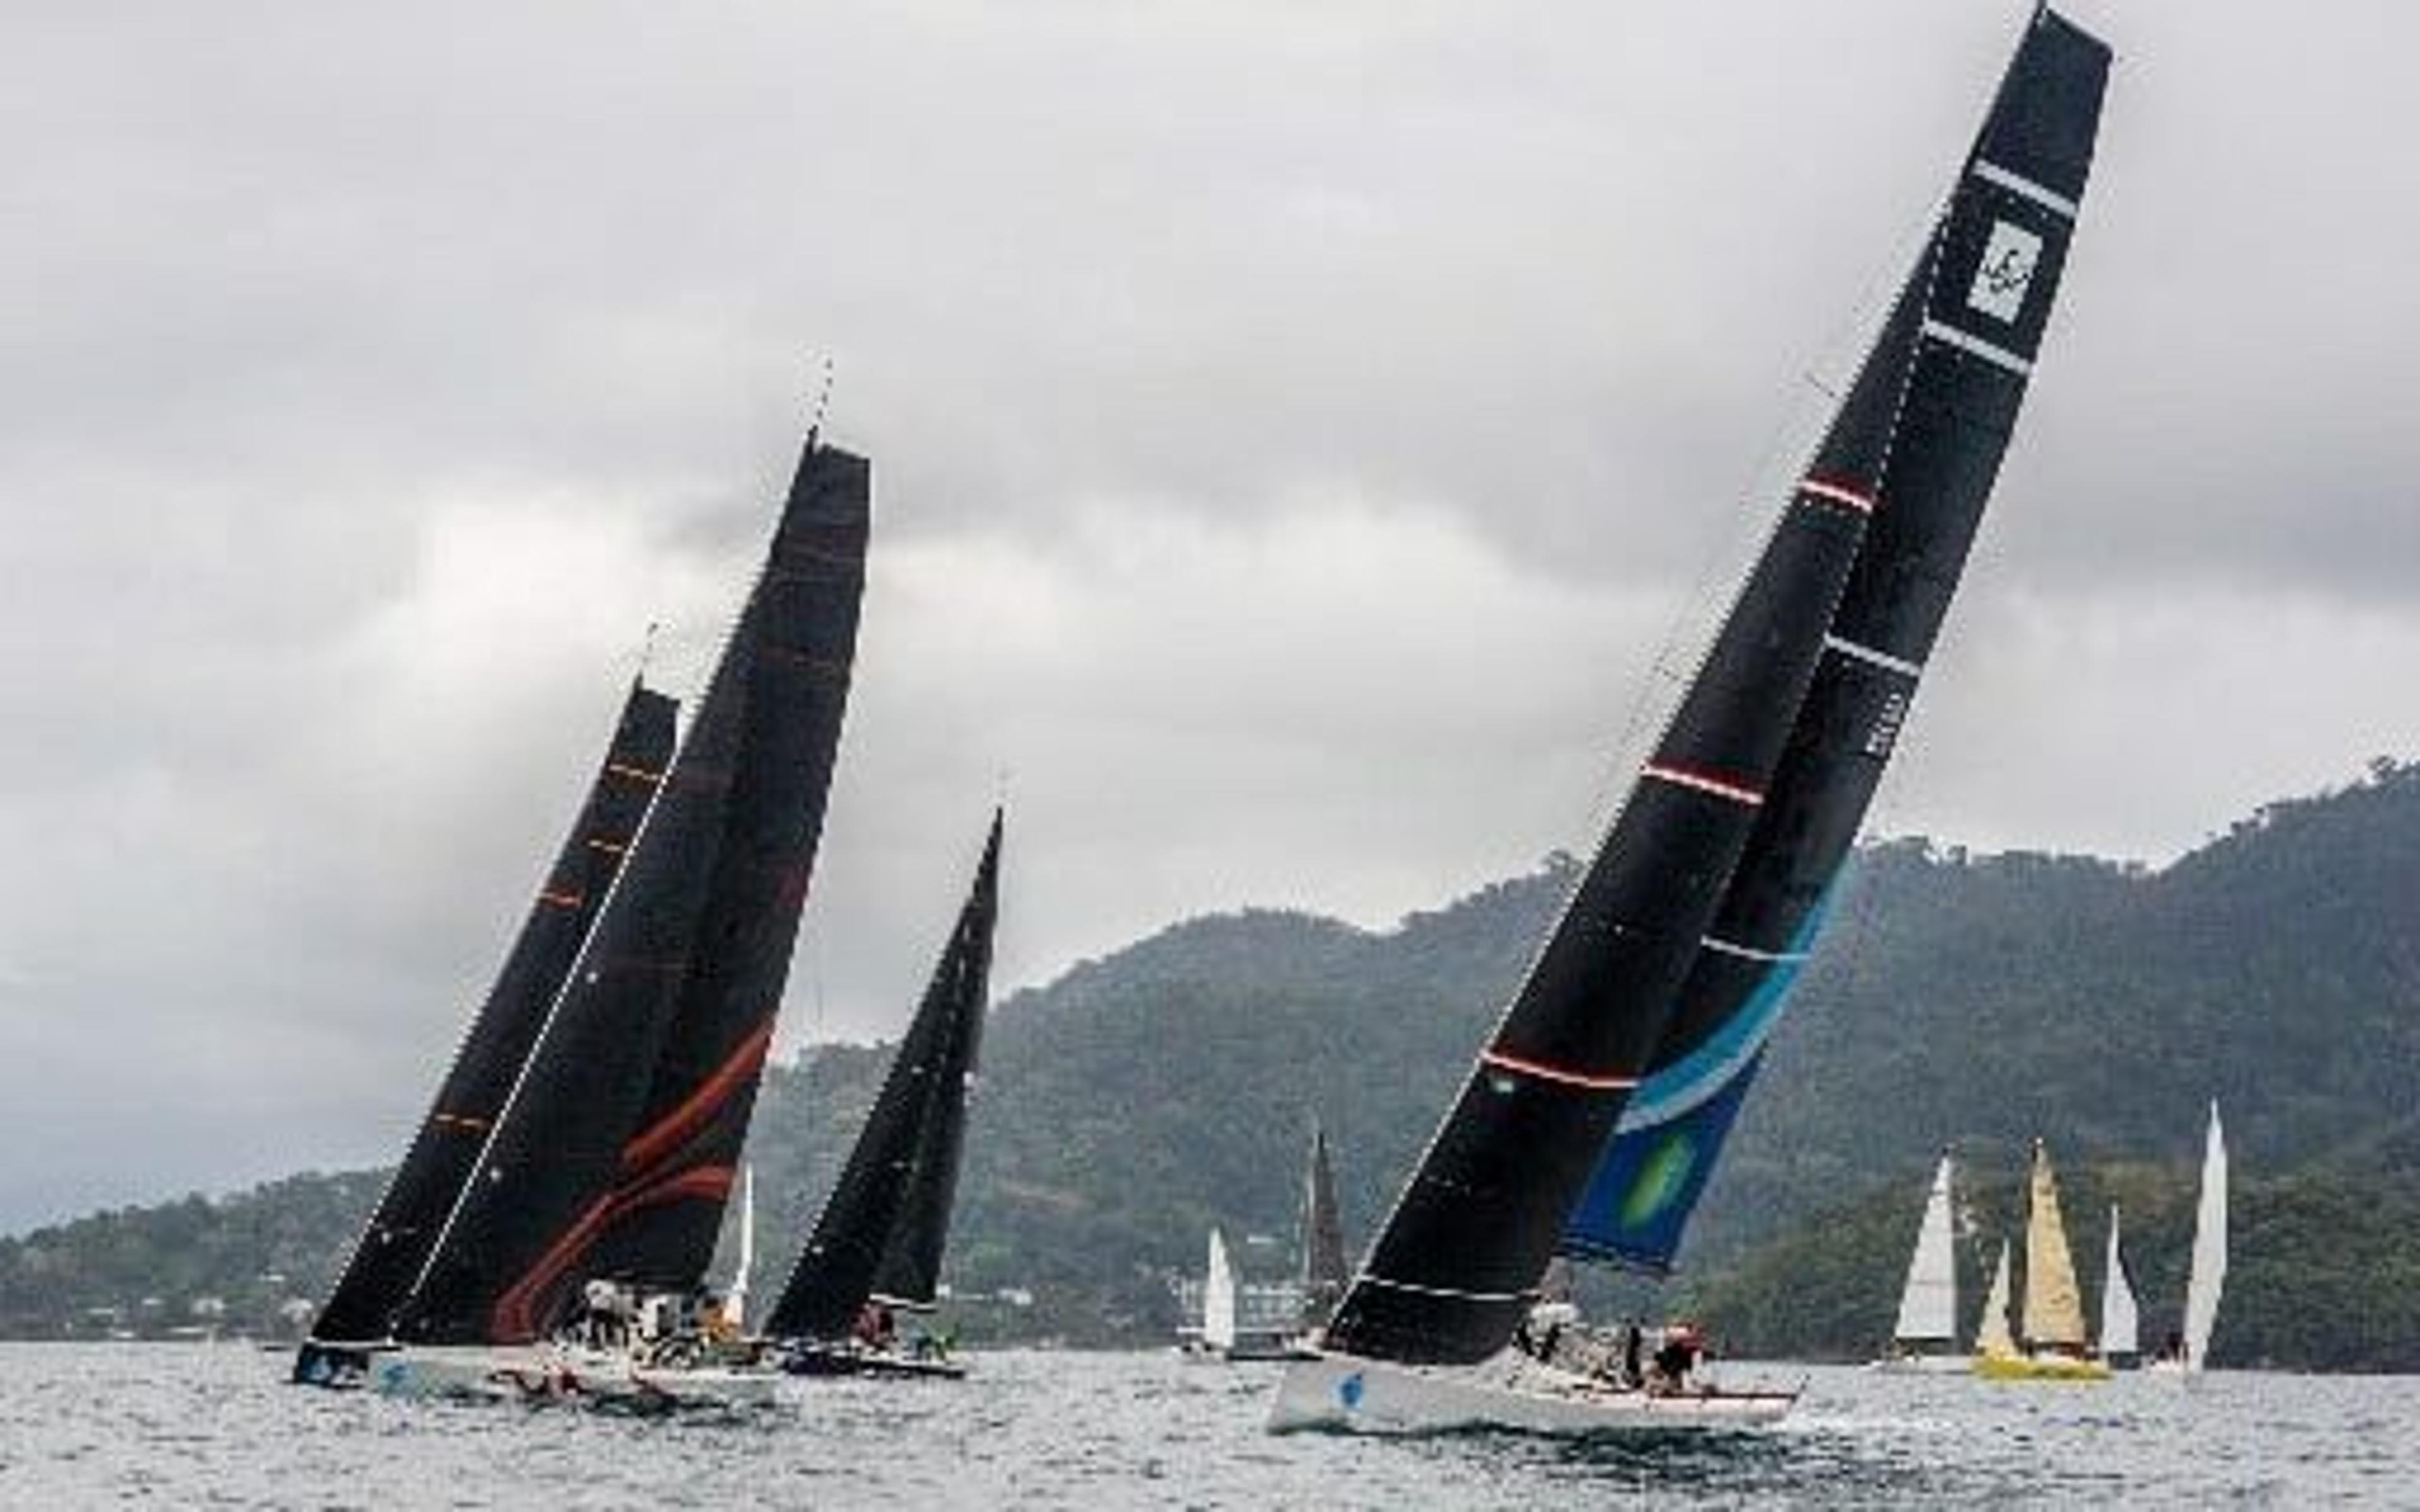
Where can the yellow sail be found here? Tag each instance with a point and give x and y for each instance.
(2054, 1308)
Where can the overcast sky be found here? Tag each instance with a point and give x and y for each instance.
(1296, 429)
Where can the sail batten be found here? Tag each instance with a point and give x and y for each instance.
(1972, 312)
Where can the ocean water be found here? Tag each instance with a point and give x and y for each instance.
(208, 1426)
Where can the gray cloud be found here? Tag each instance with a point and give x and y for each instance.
(1296, 434)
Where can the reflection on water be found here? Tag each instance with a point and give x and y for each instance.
(193, 1426)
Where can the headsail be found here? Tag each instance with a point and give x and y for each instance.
(615, 1154)
(1991, 1334)
(2119, 1322)
(2054, 1308)
(2209, 1274)
(395, 1242)
(1927, 1308)
(1324, 1270)
(1979, 297)
(883, 1228)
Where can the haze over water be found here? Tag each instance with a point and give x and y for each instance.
(182, 1426)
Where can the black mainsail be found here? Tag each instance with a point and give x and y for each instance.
(1457, 1265)
(395, 1242)
(882, 1231)
(1986, 281)
(615, 1155)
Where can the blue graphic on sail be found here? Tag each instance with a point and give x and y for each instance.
(1645, 1185)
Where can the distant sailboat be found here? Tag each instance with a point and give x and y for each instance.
(2119, 1321)
(1535, 1155)
(2208, 1277)
(2051, 1344)
(1994, 1339)
(1325, 1271)
(1218, 1298)
(1926, 1335)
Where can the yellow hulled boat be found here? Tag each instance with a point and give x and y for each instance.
(2052, 1346)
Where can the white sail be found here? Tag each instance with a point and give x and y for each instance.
(1218, 1297)
(1992, 1337)
(1927, 1308)
(2119, 1323)
(735, 1306)
(2208, 1277)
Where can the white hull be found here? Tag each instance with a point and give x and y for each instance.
(1512, 1391)
(538, 1374)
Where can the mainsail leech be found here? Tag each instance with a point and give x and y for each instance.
(1992, 268)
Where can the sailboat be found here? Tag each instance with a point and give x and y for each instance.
(359, 1314)
(1423, 1337)
(1993, 1335)
(572, 1260)
(2121, 1321)
(1326, 1273)
(1926, 1336)
(2051, 1344)
(875, 1249)
(1982, 293)
(2207, 1278)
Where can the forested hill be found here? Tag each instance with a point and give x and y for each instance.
(1974, 1000)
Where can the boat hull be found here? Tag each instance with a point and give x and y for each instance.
(1342, 1393)
(2039, 1367)
(571, 1377)
(829, 1360)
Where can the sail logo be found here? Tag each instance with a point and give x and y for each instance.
(2007, 271)
(1348, 1391)
(1884, 733)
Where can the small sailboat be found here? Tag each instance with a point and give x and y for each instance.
(1326, 1273)
(1994, 1338)
(2207, 1278)
(875, 1249)
(1925, 1338)
(1584, 1127)
(2120, 1322)
(2051, 1343)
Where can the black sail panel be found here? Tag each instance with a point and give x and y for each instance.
(551, 1181)
(1457, 1263)
(1985, 291)
(884, 1225)
(911, 1272)
(387, 1258)
(683, 1153)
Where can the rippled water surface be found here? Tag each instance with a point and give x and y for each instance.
(216, 1427)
